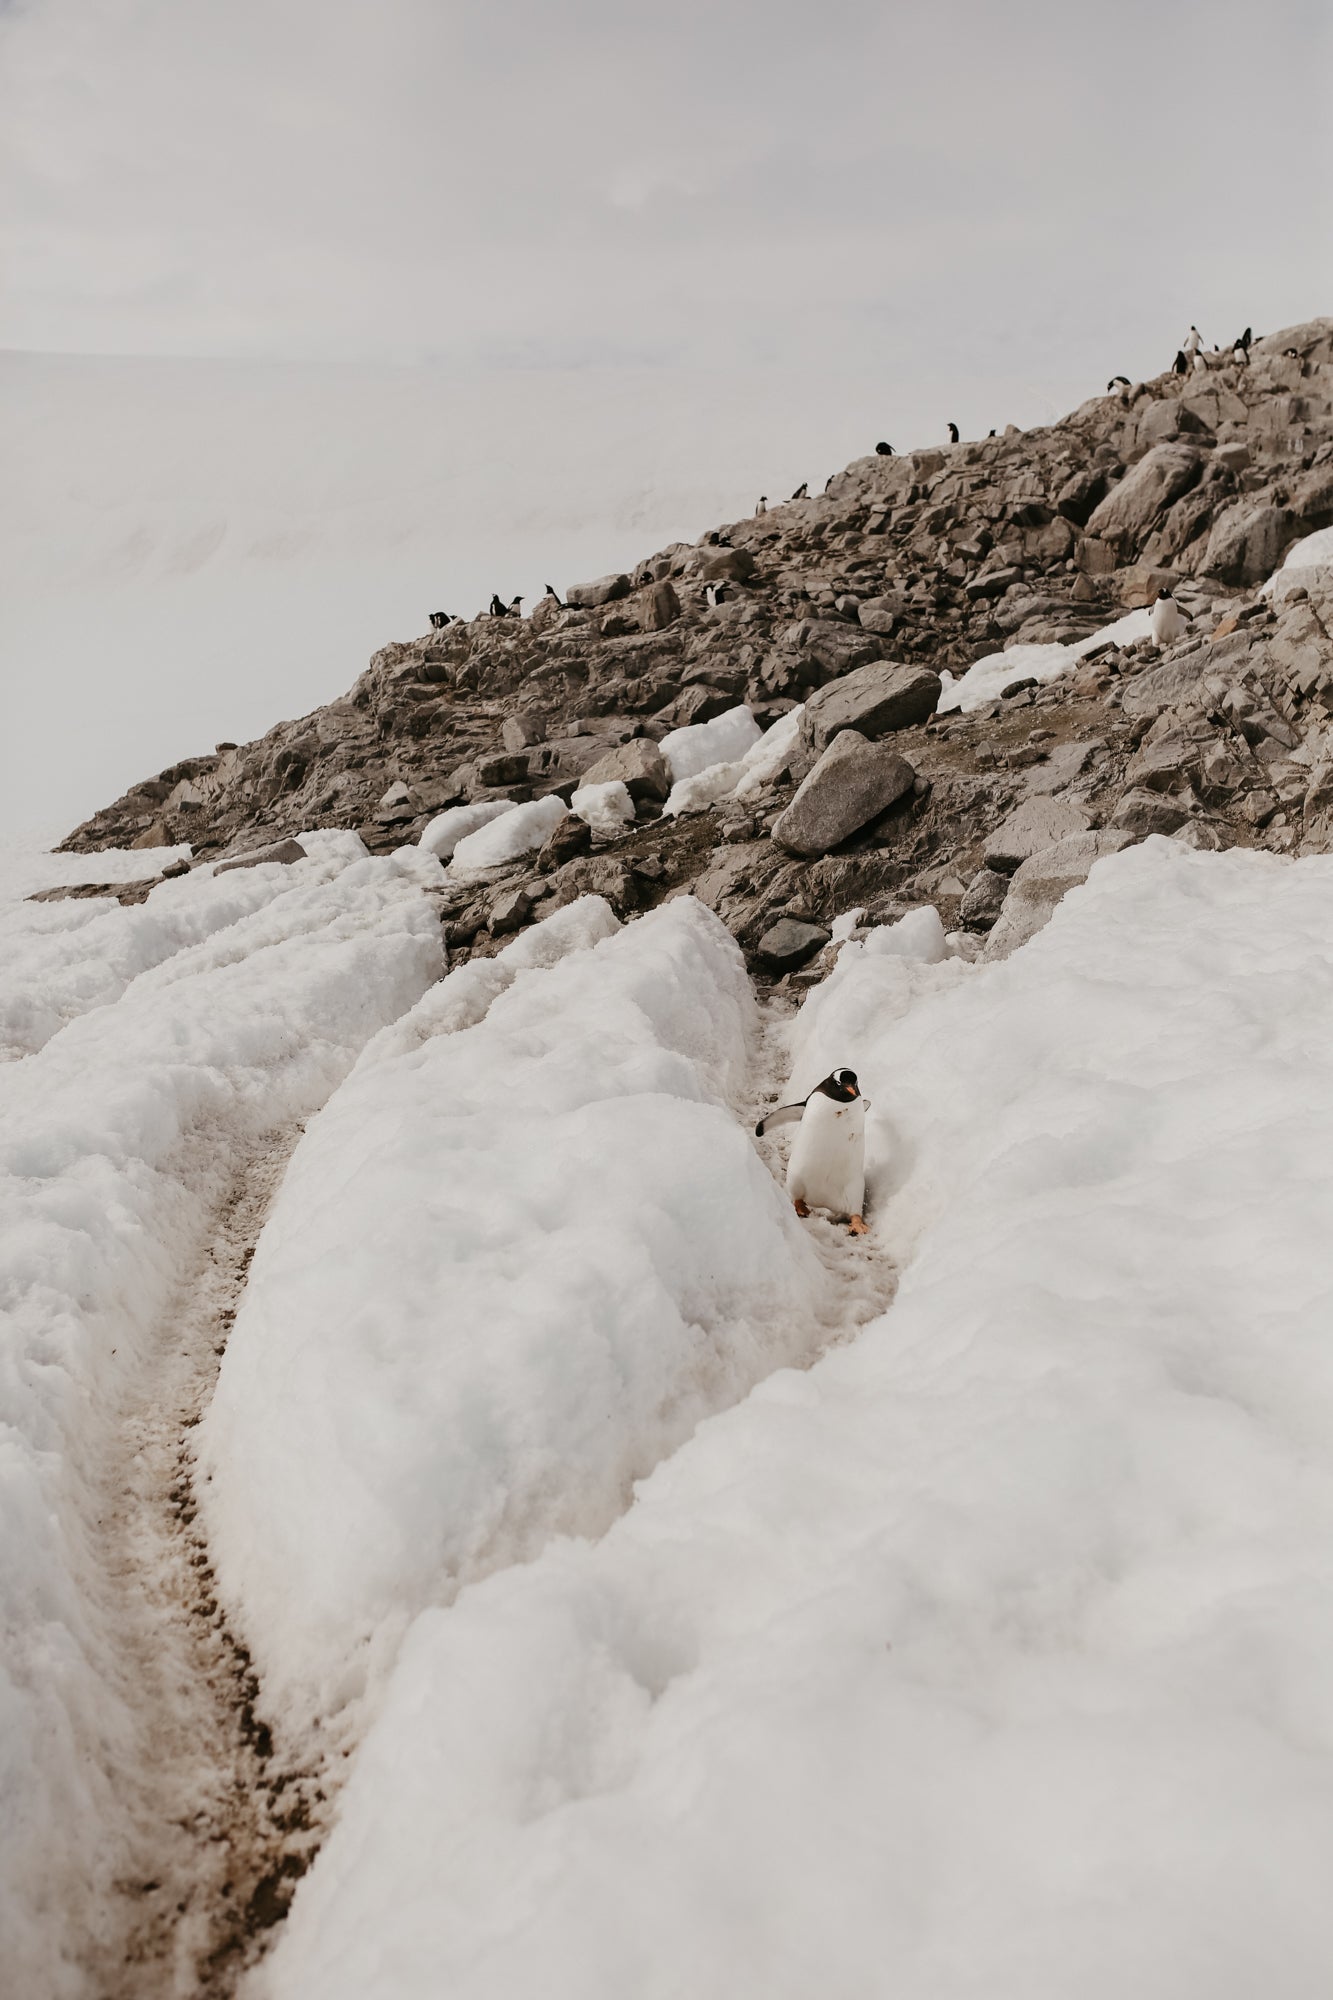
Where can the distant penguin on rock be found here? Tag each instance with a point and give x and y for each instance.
(497, 609)
(762, 508)
(827, 1168)
(1117, 382)
(953, 434)
(1180, 366)
(1192, 342)
(884, 451)
(1247, 339)
(551, 591)
(1240, 353)
(514, 604)
(1166, 619)
(439, 619)
(803, 491)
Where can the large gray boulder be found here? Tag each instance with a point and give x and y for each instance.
(1247, 542)
(604, 590)
(853, 783)
(789, 942)
(874, 699)
(638, 764)
(1031, 828)
(720, 565)
(1041, 882)
(1145, 493)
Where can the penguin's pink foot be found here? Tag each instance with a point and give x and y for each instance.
(800, 1207)
(858, 1226)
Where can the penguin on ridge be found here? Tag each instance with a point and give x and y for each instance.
(438, 620)
(1192, 342)
(1240, 353)
(497, 609)
(762, 508)
(1117, 382)
(1166, 619)
(513, 611)
(884, 451)
(827, 1168)
(803, 491)
(551, 591)
(1180, 366)
(953, 434)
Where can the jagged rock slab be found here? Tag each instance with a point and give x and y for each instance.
(853, 783)
(1030, 829)
(1043, 879)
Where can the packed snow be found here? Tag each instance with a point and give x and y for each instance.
(988, 1656)
(724, 740)
(508, 835)
(217, 1011)
(765, 760)
(987, 678)
(442, 835)
(685, 1631)
(607, 808)
(509, 1271)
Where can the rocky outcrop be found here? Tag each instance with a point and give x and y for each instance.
(853, 603)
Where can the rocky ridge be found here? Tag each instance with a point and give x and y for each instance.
(855, 603)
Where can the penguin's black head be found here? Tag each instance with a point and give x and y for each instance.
(842, 1085)
(1165, 593)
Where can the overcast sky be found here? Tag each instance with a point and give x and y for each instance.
(468, 296)
(752, 182)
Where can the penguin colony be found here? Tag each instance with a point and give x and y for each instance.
(827, 1168)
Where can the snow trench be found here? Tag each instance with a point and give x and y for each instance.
(512, 1267)
(126, 1140)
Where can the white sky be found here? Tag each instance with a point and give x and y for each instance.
(578, 278)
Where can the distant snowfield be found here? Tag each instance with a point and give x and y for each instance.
(694, 1626)
(194, 550)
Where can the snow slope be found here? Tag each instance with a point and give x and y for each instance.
(511, 1268)
(987, 1660)
(211, 1015)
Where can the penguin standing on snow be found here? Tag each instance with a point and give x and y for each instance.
(1166, 619)
(827, 1168)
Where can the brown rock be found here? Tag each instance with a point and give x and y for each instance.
(639, 765)
(874, 700)
(853, 783)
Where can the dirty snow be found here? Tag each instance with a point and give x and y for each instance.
(986, 679)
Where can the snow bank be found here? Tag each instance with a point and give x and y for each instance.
(509, 835)
(119, 1137)
(986, 679)
(61, 959)
(445, 831)
(989, 1657)
(463, 997)
(506, 1274)
(1307, 563)
(724, 740)
(607, 808)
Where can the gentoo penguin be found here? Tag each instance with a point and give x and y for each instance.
(1240, 353)
(1117, 382)
(1180, 366)
(1247, 339)
(884, 451)
(827, 1168)
(1192, 342)
(1166, 619)
(803, 491)
(439, 619)
(990, 434)
(497, 609)
(762, 508)
(953, 434)
(551, 591)
(513, 611)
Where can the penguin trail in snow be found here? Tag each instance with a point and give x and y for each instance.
(827, 1168)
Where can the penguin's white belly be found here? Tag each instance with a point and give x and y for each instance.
(827, 1168)
(1167, 623)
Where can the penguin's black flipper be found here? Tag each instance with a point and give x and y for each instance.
(785, 1114)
